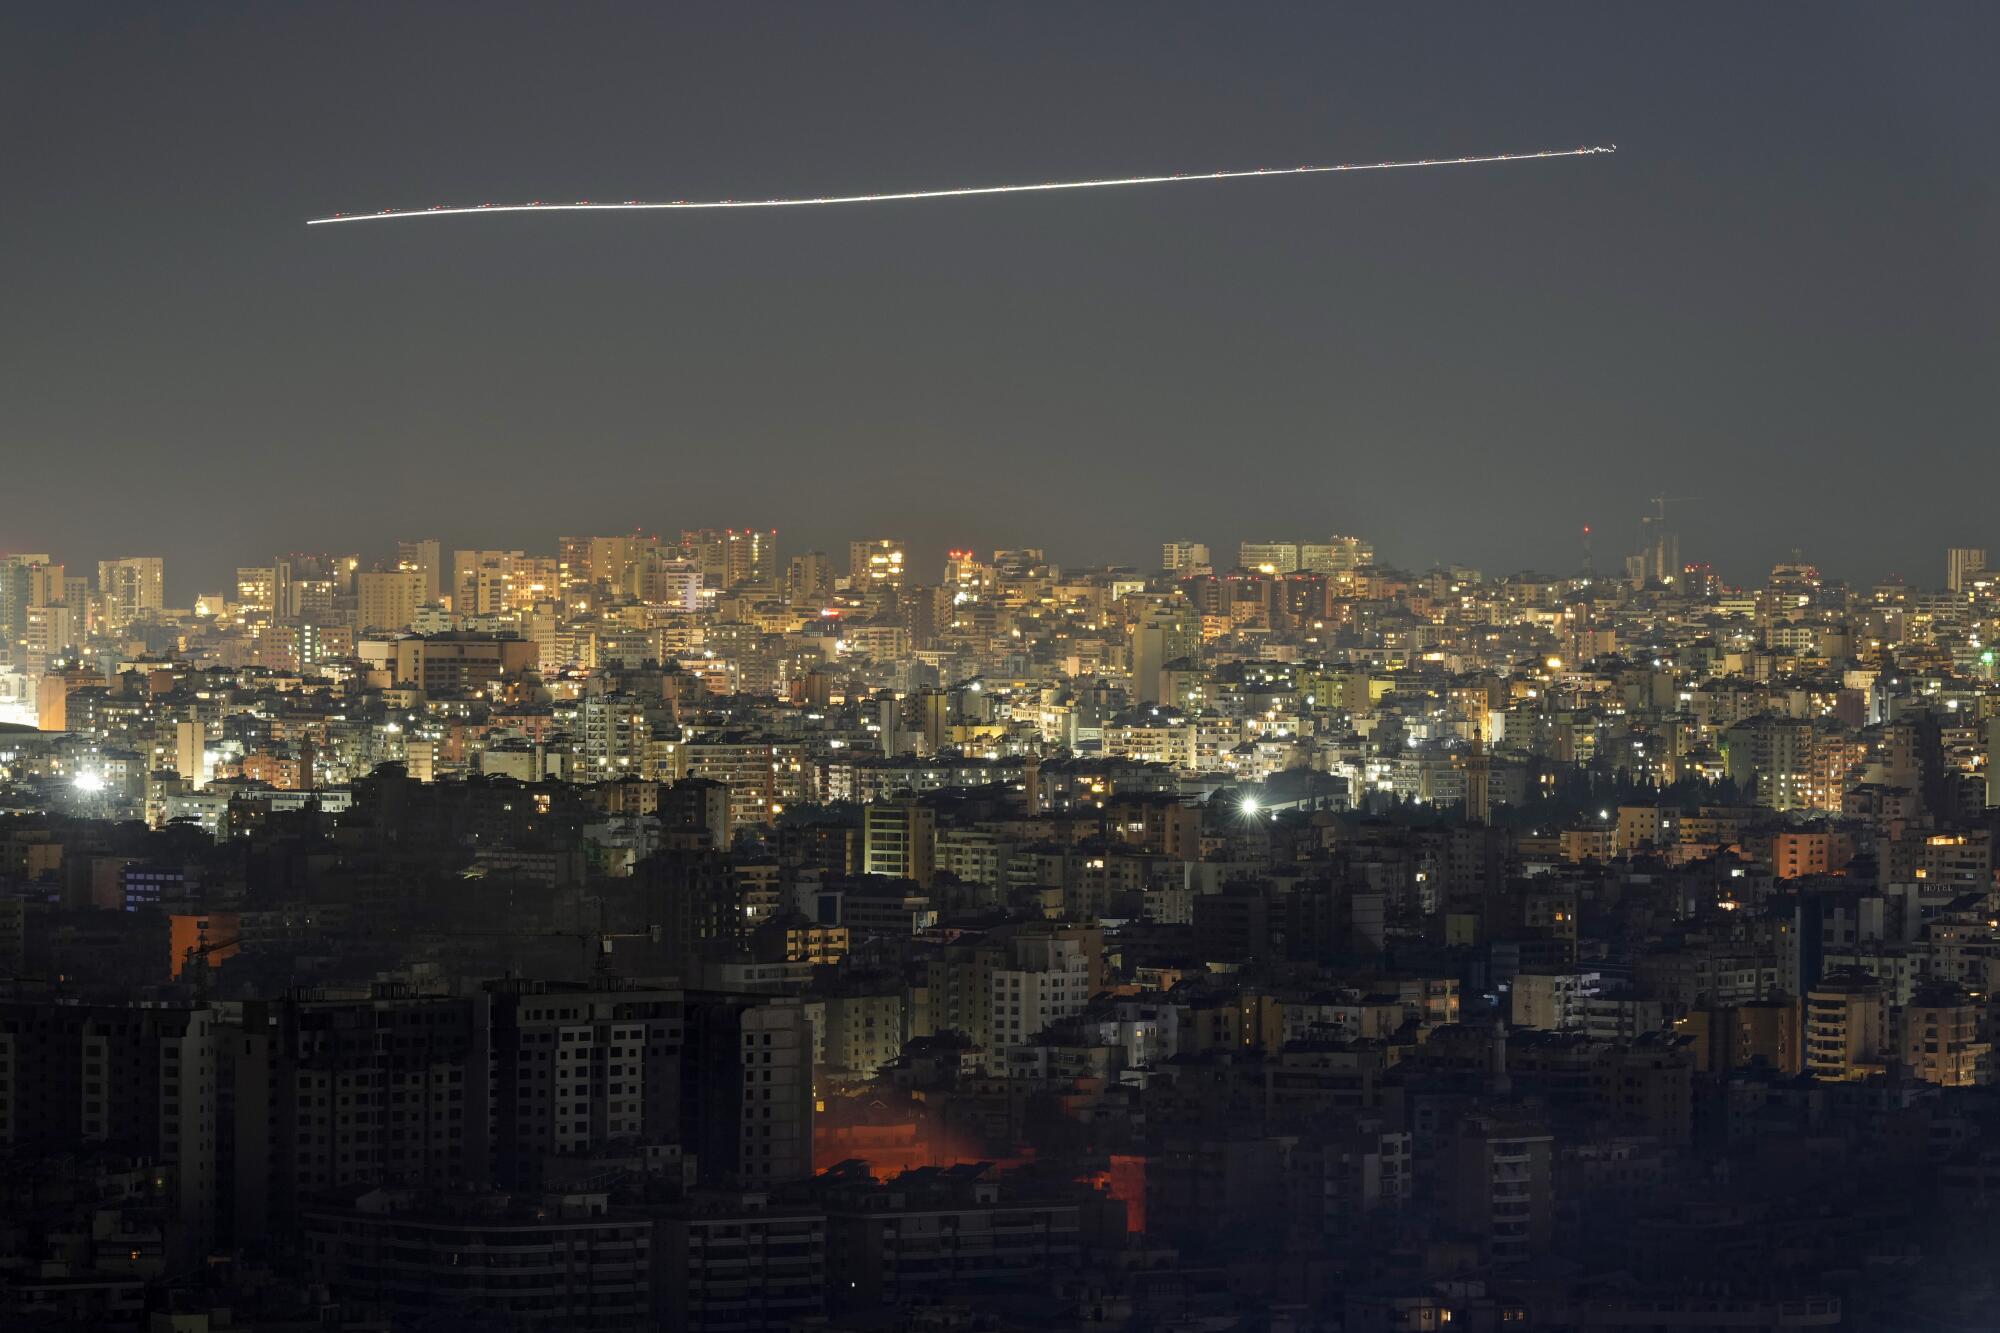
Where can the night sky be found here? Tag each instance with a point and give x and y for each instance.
(1779, 297)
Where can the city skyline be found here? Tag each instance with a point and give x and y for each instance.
(1782, 266)
(1598, 555)
(923, 734)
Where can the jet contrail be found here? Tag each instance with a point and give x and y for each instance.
(963, 192)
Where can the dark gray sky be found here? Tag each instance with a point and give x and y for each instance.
(1780, 296)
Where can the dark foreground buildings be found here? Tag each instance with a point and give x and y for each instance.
(667, 935)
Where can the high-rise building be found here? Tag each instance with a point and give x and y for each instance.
(1790, 763)
(1500, 1183)
(1336, 555)
(1046, 974)
(256, 588)
(731, 557)
(1941, 1038)
(732, 1262)
(388, 599)
(19, 578)
(337, 1093)
(936, 711)
(50, 632)
(1162, 634)
(1022, 563)
(700, 807)
(674, 583)
(1962, 565)
(1349, 553)
(448, 664)
(1269, 557)
(889, 1238)
(616, 728)
(1645, 828)
(133, 588)
(746, 765)
(1005, 987)
(535, 580)
(1846, 1026)
(141, 1077)
(809, 578)
(481, 581)
(748, 1099)
(426, 558)
(575, 1069)
(1184, 557)
(966, 576)
(314, 601)
(899, 838)
(1552, 998)
(1658, 561)
(620, 563)
(573, 1262)
(191, 752)
(876, 564)
(48, 585)
(572, 563)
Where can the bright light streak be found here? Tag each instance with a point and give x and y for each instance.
(962, 192)
(89, 782)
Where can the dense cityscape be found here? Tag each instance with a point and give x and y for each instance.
(1364, 696)
(684, 932)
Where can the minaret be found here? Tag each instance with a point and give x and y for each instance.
(1478, 775)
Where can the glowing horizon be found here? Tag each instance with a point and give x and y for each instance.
(960, 192)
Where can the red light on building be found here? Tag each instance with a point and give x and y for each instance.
(1125, 1181)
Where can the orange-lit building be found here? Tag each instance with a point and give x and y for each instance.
(215, 932)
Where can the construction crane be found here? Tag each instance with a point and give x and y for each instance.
(195, 960)
(1659, 549)
(1660, 503)
(194, 966)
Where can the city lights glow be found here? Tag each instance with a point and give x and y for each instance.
(958, 192)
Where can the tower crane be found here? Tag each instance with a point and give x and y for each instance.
(1660, 503)
(195, 960)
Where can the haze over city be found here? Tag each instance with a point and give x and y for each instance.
(1131, 668)
(1779, 287)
